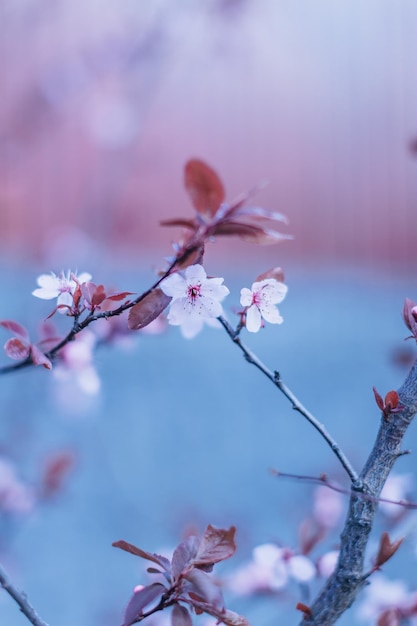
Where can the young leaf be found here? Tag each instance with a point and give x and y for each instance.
(204, 187)
(150, 556)
(274, 272)
(386, 549)
(184, 554)
(180, 616)
(17, 349)
(15, 328)
(39, 358)
(148, 309)
(140, 600)
(204, 588)
(378, 399)
(216, 545)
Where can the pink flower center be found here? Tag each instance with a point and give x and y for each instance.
(256, 298)
(193, 292)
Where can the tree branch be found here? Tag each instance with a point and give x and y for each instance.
(20, 598)
(296, 404)
(348, 578)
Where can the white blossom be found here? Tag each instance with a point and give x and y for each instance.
(195, 299)
(260, 302)
(61, 287)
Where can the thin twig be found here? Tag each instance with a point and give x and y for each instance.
(20, 598)
(323, 480)
(275, 378)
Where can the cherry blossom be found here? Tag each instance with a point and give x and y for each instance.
(76, 364)
(61, 287)
(383, 594)
(271, 569)
(260, 302)
(15, 496)
(195, 299)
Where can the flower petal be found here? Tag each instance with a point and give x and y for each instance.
(253, 319)
(245, 297)
(195, 274)
(174, 286)
(270, 313)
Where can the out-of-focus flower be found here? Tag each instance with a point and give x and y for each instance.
(195, 299)
(61, 287)
(271, 569)
(397, 488)
(328, 506)
(383, 594)
(76, 363)
(327, 563)
(20, 347)
(260, 302)
(15, 496)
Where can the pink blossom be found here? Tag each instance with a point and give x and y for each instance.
(195, 299)
(76, 364)
(61, 287)
(397, 488)
(260, 301)
(328, 506)
(15, 496)
(383, 594)
(327, 563)
(271, 569)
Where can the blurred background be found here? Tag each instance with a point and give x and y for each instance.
(101, 105)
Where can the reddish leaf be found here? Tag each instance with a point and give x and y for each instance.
(150, 556)
(192, 256)
(224, 616)
(275, 272)
(57, 468)
(180, 616)
(204, 588)
(181, 222)
(386, 549)
(204, 187)
(378, 399)
(184, 555)
(303, 608)
(259, 212)
(15, 328)
(17, 349)
(148, 309)
(390, 617)
(140, 600)
(39, 358)
(216, 545)
(121, 295)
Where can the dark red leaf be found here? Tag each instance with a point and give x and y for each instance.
(224, 616)
(203, 587)
(180, 222)
(204, 187)
(184, 555)
(378, 399)
(303, 608)
(275, 272)
(15, 328)
(140, 600)
(17, 349)
(216, 545)
(150, 556)
(39, 358)
(386, 549)
(116, 297)
(390, 617)
(192, 256)
(148, 309)
(56, 470)
(180, 616)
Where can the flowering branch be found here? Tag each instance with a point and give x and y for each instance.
(275, 378)
(349, 578)
(20, 598)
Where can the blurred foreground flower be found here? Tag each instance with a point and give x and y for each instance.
(195, 299)
(61, 287)
(76, 364)
(271, 569)
(260, 301)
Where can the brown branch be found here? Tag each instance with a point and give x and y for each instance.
(20, 598)
(349, 578)
(275, 378)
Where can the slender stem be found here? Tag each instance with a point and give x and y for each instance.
(296, 404)
(21, 599)
(78, 326)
